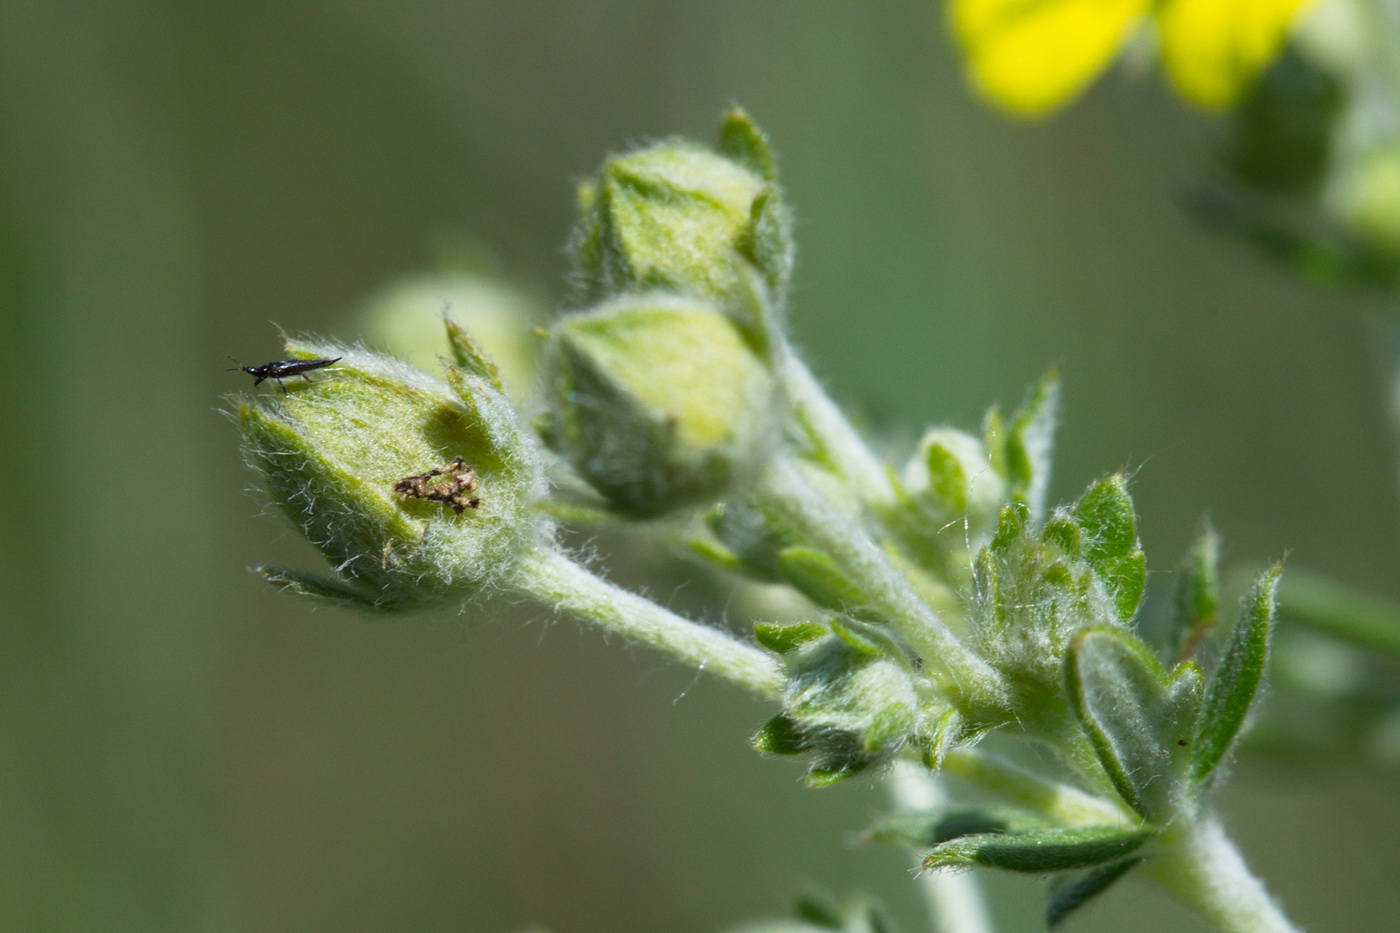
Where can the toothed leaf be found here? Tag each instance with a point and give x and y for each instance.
(1105, 515)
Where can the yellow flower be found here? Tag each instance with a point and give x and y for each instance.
(1033, 56)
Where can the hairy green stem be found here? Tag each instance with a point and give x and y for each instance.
(955, 900)
(1056, 801)
(792, 499)
(1199, 864)
(839, 446)
(550, 577)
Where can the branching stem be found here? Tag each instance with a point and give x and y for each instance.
(787, 494)
(548, 576)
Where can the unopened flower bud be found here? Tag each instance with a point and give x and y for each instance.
(417, 491)
(677, 217)
(659, 401)
(849, 702)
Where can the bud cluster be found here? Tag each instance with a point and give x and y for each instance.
(945, 600)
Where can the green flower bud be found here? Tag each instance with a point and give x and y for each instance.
(849, 701)
(676, 217)
(417, 491)
(659, 402)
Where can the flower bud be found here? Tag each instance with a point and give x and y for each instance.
(658, 401)
(416, 491)
(677, 217)
(848, 701)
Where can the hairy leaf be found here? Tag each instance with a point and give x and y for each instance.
(782, 637)
(1119, 692)
(1042, 851)
(1105, 514)
(1235, 683)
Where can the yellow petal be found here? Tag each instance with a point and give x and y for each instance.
(1031, 56)
(1214, 49)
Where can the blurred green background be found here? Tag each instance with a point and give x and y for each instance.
(181, 748)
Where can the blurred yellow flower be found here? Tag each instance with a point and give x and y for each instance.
(1032, 56)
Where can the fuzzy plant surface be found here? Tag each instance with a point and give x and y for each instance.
(948, 601)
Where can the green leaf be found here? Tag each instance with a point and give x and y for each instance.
(782, 637)
(781, 736)
(1068, 893)
(1011, 524)
(1197, 595)
(930, 828)
(1063, 531)
(947, 479)
(1029, 443)
(715, 553)
(941, 736)
(1105, 514)
(1042, 851)
(829, 770)
(1120, 692)
(866, 638)
(1235, 683)
(818, 913)
(815, 575)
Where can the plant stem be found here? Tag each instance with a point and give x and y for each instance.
(955, 900)
(550, 577)
(838, 445)
(1199, 864)
(1059, 802)
(787, 494)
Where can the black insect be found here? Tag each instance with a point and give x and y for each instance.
(283, 369)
